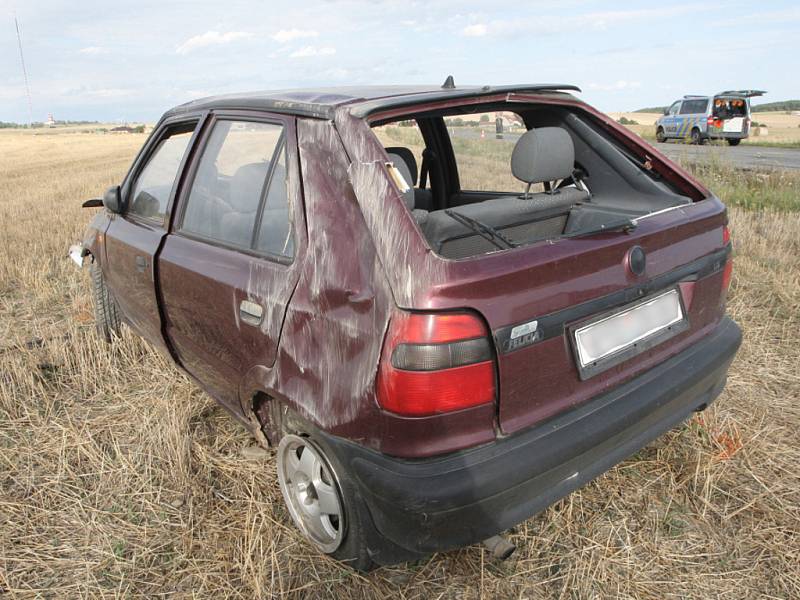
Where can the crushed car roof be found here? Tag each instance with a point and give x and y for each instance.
(322, 102)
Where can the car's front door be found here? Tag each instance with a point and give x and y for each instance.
(134, 236)
(228, 268)
(671, 121)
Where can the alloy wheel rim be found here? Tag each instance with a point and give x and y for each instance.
(311, 492)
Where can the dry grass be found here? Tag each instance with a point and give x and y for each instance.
(119, 478)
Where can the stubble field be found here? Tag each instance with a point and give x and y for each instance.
(119, 478)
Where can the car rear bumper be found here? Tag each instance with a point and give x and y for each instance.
(434, 504)
(724, 135)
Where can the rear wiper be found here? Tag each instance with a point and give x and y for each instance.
(482, 229)
(624, 225)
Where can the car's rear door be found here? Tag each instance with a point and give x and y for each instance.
(133, 237)
(228, 267)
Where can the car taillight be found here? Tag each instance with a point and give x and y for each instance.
(727, 272)
(710, 121)
(434, 363)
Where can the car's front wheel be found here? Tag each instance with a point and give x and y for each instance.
(660, 137)
(106, 311)
(322, 501)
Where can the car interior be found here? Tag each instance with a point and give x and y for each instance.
(574, 179)
(225, 207)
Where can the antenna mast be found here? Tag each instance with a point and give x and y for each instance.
(24, 73)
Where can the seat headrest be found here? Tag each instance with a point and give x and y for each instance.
(400, 165)
(408, 156)
(543, 154)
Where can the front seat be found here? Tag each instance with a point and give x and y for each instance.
(245, 194)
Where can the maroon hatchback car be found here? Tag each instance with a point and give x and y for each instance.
(447, 307)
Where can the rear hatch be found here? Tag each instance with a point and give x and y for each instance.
(547, 292)
(730, 115)
(535, 295)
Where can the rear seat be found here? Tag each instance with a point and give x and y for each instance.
(544, 155)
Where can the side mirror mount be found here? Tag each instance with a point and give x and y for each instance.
(666, 111)
(112, 199)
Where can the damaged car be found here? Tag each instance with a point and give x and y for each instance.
(441, 332)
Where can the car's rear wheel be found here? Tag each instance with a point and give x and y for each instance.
(321, 500)
(697, 137)
(660, 137)
(733, 141)
(106, 311)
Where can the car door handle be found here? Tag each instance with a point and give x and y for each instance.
(250, 312)
(141, 263)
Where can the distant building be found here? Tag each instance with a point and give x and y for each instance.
(51, 122)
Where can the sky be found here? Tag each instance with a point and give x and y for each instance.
(131, 61)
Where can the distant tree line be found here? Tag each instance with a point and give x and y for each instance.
(37, 125)
(459, 122)
(786, 105)
(783, 106)
(652, 109)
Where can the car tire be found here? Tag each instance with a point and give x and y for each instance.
(660, 137)
(733, 141)
(301, 483)
(697, 137)
(106, 311)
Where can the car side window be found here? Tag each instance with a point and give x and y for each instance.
(223, 202)
(694, 107)
(275, 231)
(673, 110)
(153, 186)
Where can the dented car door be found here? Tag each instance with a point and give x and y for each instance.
(228, 268)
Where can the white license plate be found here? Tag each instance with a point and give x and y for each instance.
(623, 330)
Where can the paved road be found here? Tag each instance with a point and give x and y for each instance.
(749, 157)
(743, 156)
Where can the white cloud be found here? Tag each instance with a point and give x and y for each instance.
(93, 50)
(87, 92)
(615, 86)
(211, 38)
(109, 93)
(551, 24)
(308, 51)
(477, 30)
(601, 20)
(288, 35)
(337, 73)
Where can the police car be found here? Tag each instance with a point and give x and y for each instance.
(698, 118)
